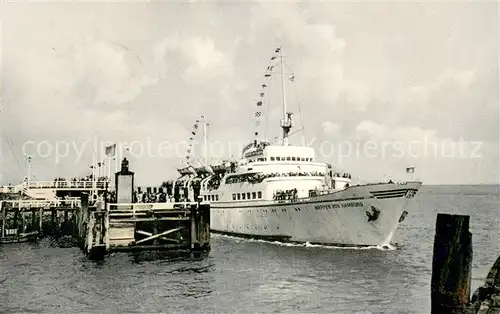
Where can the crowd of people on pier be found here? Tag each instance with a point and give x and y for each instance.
(144, 197)
(342, 175)
(81, 182)
(151, 196)
(85, 178)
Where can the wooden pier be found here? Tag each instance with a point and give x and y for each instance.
(451, 272)
(102, 228)
(26, 220)
(150, 226)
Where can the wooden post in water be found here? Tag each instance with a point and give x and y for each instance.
(33, 219)
(451, 265)
(40, 223)
(66, 223)
(192, 227)
(53, 219)
(16, 218)
(205, 225)
(23, 221)
(4, 215)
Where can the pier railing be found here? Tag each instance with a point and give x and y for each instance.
(11, 188)
(149, 206)
(66, 185)
(22, 204)
(137, 210)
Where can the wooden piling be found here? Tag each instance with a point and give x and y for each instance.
(23, 221)
(451, 265)
(4, 215)
(16, 218)
(33, 219)
(192, 226)
(53, 221)
(40, 222)
(66, 223)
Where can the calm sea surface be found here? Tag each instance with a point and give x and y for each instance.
(244, 276)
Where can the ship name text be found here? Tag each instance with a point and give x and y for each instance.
(337, 205)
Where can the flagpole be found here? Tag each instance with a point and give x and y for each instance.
(94, 153)
(109, 168)
(29, 170)
(118, 157)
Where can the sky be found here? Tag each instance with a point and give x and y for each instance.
(378, 87)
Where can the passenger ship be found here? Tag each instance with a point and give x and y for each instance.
(281, 192)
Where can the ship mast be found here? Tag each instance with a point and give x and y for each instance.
(286, 123)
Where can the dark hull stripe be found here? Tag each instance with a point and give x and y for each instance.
(284, 239)
(399, 191)
(389, 191)
(390, 196)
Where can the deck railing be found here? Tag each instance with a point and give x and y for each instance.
(71, 203)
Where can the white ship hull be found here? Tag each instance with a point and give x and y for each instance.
(366, 215)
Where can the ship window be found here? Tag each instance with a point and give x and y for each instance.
(287, 158)
(277, 158)
(254, 195)
(259, 194)
(283, 158)
(311, 159)
(303, 159)
(217, 197)
(248, 195)
(239, 196)
(234, 197)
(243, 195)
(293, 158)
(272, 158)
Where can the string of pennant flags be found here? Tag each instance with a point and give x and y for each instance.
(267, 76)
(191, 139)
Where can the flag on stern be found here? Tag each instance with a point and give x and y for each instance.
(410, 170)
(110, 150)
